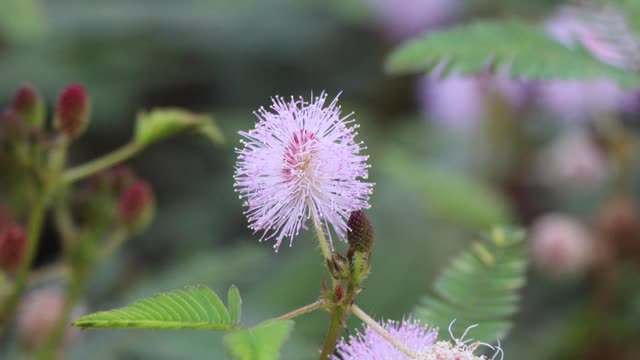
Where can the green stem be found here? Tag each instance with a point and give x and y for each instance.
(112, 243)
(75, 289)
(101, 163)
(381, 331)
(36, 219)
(333, 333)
(324, 245)
(302, 310)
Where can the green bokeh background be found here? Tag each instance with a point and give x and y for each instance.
(434, 192)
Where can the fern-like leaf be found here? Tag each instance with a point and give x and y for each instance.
(479, 287)
(262, 342)
(195, 307)
(523, 50)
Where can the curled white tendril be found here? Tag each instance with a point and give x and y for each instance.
(464, 344)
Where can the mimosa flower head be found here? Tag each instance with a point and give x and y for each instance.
(301, 162)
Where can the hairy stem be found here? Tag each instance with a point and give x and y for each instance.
(333, 333)
(36, 219)
(381, 331)
(322, 239)
(302, 310)
(101, 163)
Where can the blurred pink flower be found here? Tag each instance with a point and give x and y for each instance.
(605, 35)
(403, 19)
(560, 245)
(573, 161)
(301, 161)
(38, 313)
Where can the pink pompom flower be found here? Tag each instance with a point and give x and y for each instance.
(301, 161)
(369, 345)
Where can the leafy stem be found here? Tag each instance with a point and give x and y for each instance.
(381, 331)
(302, 310)
(101, 163)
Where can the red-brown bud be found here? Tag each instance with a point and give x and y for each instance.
(136, 205)
(619, 226)
(13, 240)
(360, 234)
(73, 111)
(338, 293)
(30, 105)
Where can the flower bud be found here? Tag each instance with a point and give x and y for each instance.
(360, 233)
(13, 241)
(619, 226)
(136, 205)
(30, 105)
(560, 245)
(338, 293)
(11, 125)
(338, 266)
(73, 111)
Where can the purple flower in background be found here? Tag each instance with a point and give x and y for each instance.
(605, 35)
(456, 102)
(369, 345)
(402, 19)
(301, 161)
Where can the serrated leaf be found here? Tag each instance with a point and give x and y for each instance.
(234, 302)
(523, 50)
(195, 307)
(159, 124)
(262, 342)
(480, 286)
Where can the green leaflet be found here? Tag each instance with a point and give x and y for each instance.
(159, 124)
(480, 286)
(525, 50)
(195, 307)
(262, 342)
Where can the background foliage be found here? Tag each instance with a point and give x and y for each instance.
(436, 190)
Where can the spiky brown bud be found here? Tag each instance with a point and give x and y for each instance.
(13, 240)
(360, 234)
(136, 205)
(30, 105)
(73, 111)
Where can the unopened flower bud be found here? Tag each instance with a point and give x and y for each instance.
(619, 226)
(11, 125)
(338, 266)
(560, 245)
(338, 293)
(13, 240)
(38, 314)
(136, 205)
(73, 111)
(30, 105)
(360, 233)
